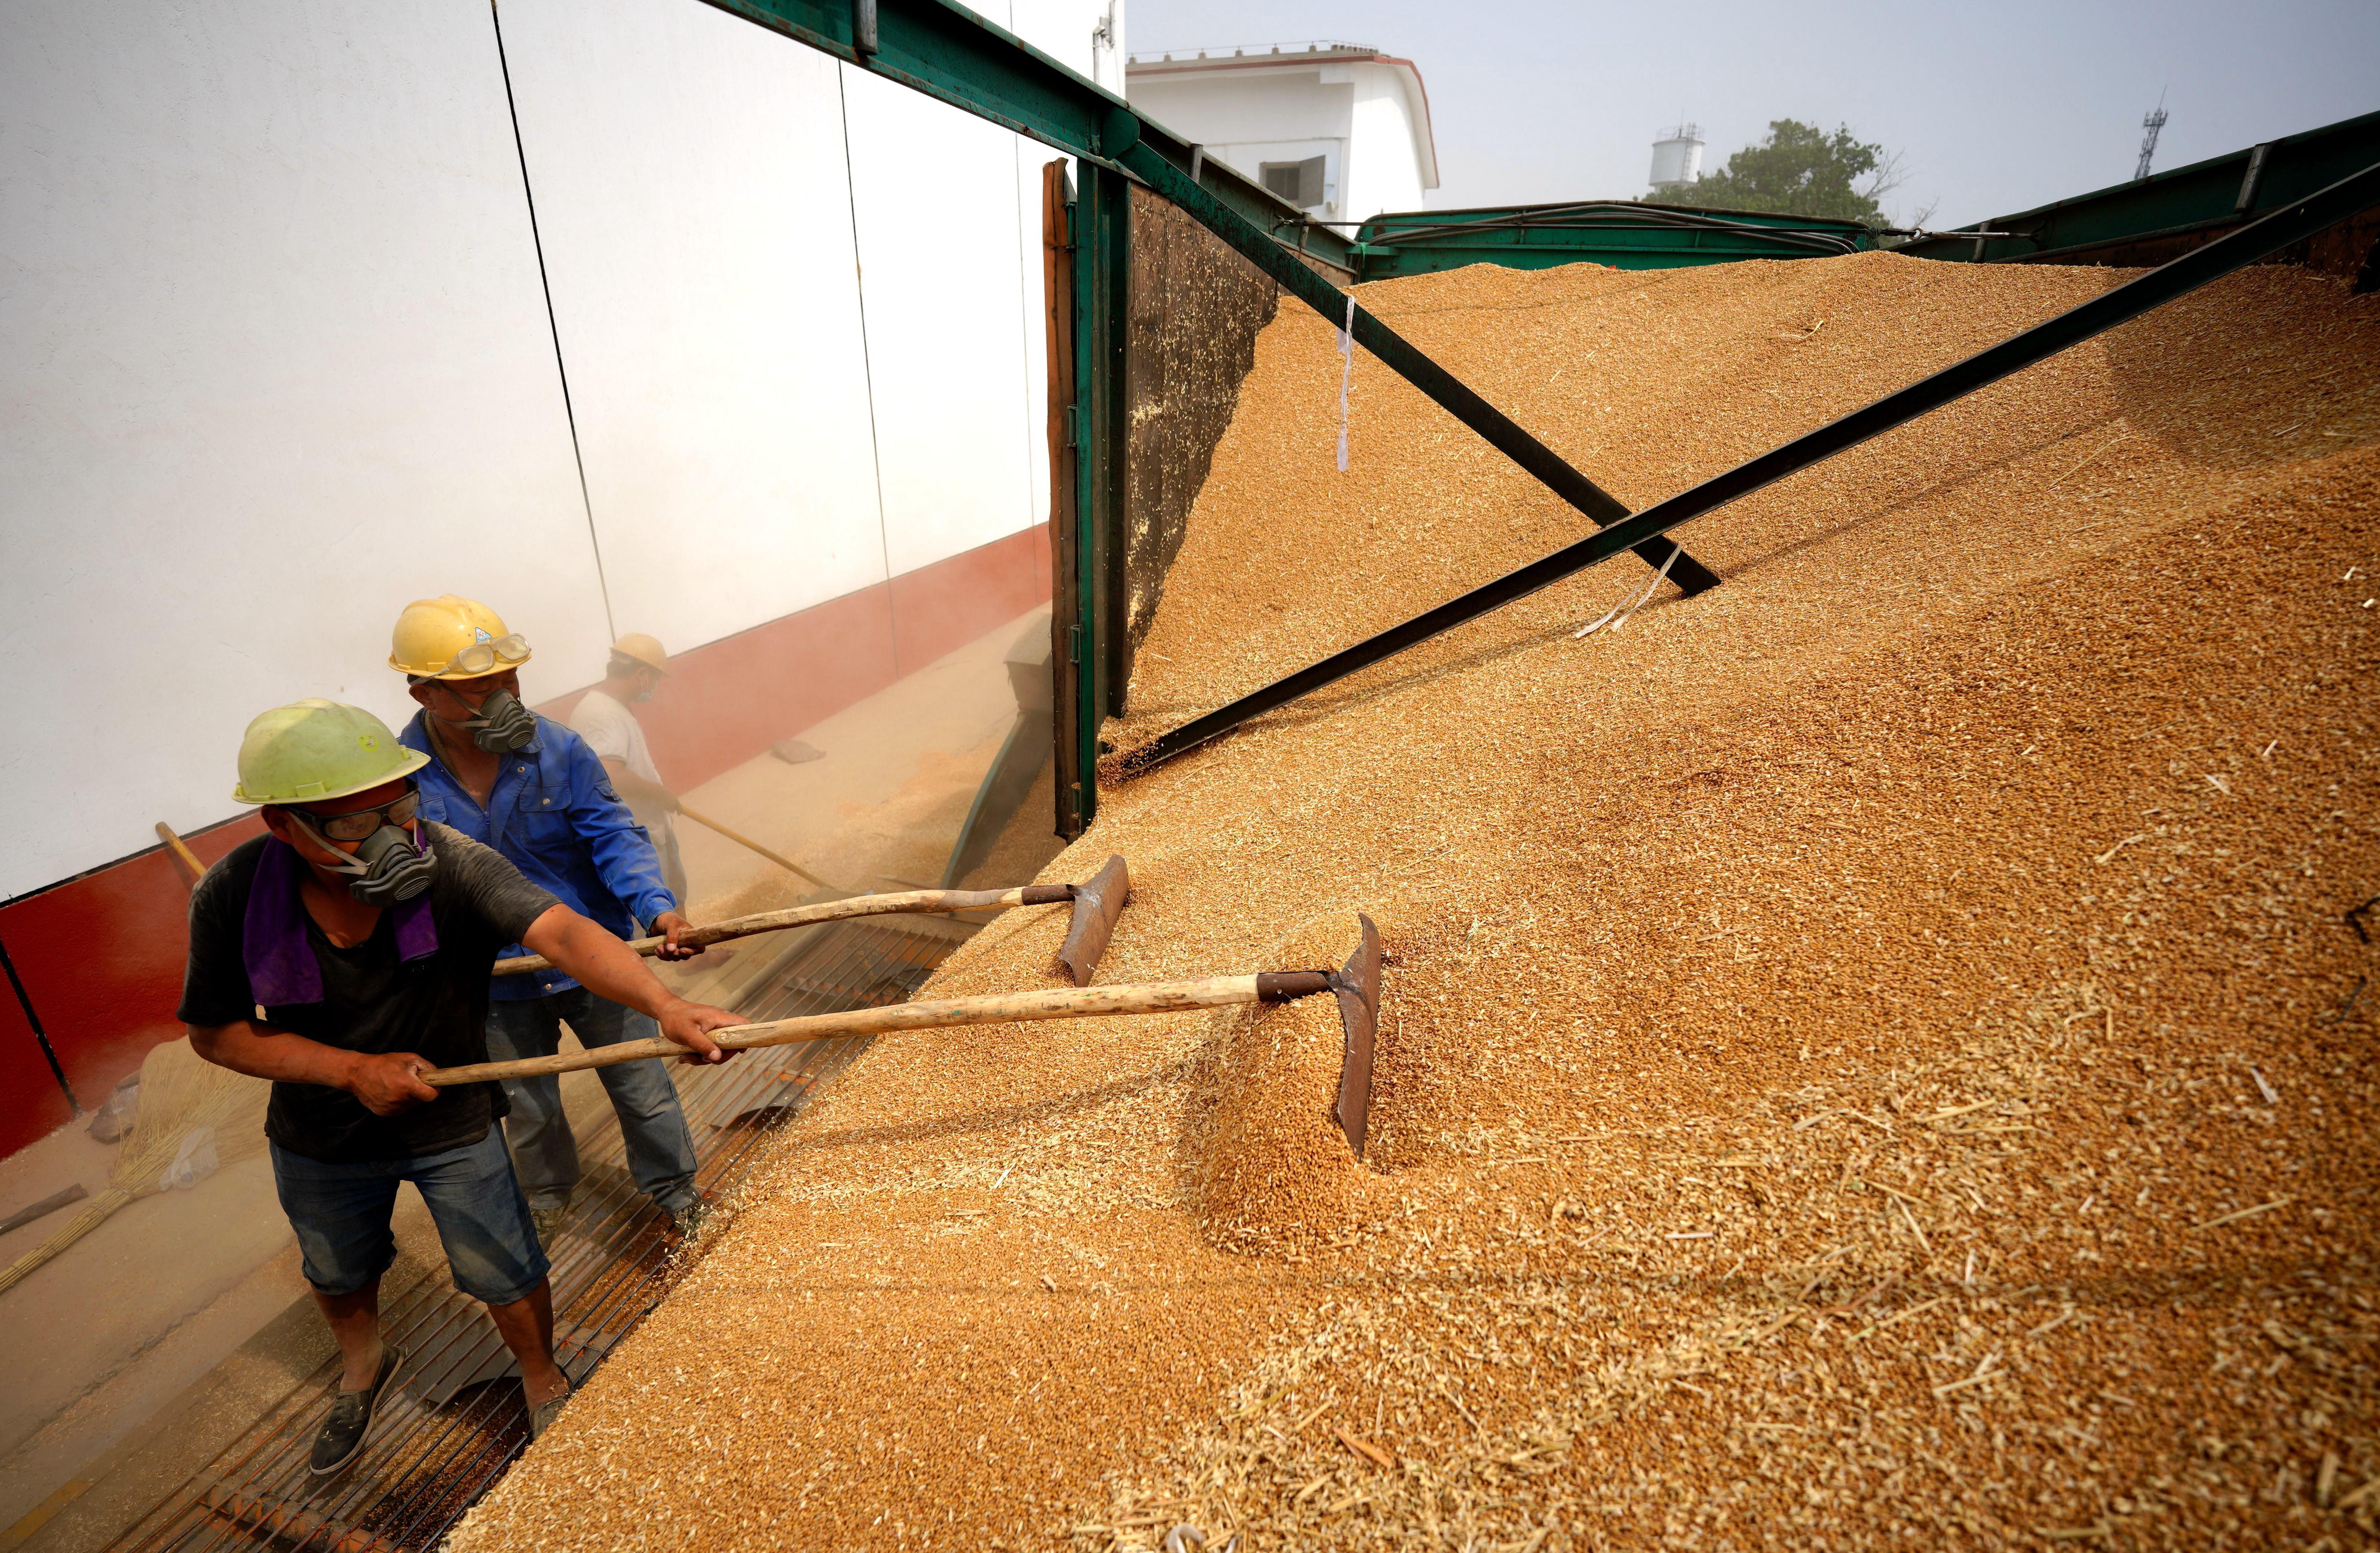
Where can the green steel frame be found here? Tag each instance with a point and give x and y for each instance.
(2294, 223)
(1100, 225)
(2198, 201)
(1626, 235)
(952, 54)
(955, 56)
(948, 53)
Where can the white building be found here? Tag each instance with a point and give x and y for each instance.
(1339, 131)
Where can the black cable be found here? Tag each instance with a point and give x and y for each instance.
(859, 291)
(24, 1001)
(553, 327)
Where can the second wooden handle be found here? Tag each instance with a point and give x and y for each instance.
(742, 840)
(997, 1008)
(801, 917)
(181, 849)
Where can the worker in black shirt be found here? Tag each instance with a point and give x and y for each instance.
(338, 956)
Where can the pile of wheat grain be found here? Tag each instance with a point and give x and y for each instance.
(1874, 1056)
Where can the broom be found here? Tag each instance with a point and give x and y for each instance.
(189, 1109)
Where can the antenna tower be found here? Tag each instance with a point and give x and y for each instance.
(2153, 122)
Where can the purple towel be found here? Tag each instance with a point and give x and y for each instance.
(282, 970)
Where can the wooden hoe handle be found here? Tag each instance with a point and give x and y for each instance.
(181, 850)
(829, 911)
(743, 841)
(997, 1008)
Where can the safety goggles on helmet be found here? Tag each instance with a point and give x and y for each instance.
(357, 824)
(482, 658)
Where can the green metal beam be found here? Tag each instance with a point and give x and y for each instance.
(2291, 224)
(1101, 230)
(952, 54)
(2208, 197)
(1070, 703)
(1399, 355)
(1624, 234)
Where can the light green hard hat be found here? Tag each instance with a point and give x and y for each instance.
(316, 749)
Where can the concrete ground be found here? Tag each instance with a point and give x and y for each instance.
(99, 1340)
(140, 1352)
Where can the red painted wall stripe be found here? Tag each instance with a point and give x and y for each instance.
(729, 700)
(940, 608)
(101, 955)
(30, 1101)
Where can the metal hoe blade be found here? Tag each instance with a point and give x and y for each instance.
(1357, 986)
(1099, 901)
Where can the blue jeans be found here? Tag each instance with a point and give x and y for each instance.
(660, 1146)
(341, 1214)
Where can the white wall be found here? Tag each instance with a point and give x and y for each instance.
(1269, 114)
(1063, 30)
(1264, 103)
(688, 170)
(939, 193)
(274, 362)
(275, 358)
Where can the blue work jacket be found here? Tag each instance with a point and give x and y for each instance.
(554, 814)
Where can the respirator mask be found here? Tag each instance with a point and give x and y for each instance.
(388, 867)
(503, 724)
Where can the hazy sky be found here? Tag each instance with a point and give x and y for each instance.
(1995, 106)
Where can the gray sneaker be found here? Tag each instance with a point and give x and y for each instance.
(541, 1416)
(343, 1432)
(547, 1222)
(687, 1220)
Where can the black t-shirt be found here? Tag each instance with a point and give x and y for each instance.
(373, 1001)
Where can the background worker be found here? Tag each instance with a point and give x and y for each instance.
(606, 718)
(526, 786)
(338, 956)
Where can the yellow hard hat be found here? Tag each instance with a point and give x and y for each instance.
(644, 650)
(453, 638)
(316, 749)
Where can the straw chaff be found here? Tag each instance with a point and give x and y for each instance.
(193, 1118)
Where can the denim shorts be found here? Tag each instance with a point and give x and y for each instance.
(342, 1212)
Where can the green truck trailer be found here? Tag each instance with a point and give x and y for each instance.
(2139, 222)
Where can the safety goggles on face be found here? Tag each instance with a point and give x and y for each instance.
(355, 825)
(482, 658)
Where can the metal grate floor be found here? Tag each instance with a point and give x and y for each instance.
(458, 1420)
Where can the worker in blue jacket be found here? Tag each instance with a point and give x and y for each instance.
(528, 787)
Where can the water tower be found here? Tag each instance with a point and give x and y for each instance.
(1677, 158)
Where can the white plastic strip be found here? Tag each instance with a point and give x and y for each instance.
(1346, 374)
(1620, 611)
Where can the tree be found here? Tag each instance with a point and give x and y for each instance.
(1798, 170)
